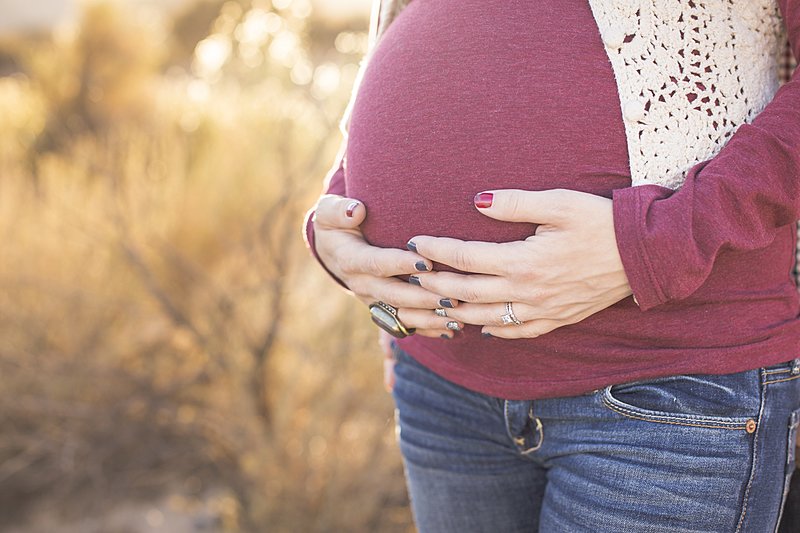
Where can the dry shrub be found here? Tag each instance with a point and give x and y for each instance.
(162, 328)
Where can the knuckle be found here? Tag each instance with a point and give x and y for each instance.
(461, 260)
(469, 294)
(389, 295)
(525, 270)
(325, 207)
(523, 264)
(342, 263)
(345, 263)
(536, 294)
(515, 206)
(566, 203)
(517, 269)
(530, 331)
(358, 286)
(403, 316)
(372, 265)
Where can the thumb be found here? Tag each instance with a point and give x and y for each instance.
(334, 211)
(551, 207)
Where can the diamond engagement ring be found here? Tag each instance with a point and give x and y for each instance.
(510, 317)
(441, 311)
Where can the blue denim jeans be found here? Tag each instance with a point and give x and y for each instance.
(692, 453)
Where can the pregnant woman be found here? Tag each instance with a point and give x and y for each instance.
(578, 218)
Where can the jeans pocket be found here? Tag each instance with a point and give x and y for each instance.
(791, 449)
(724, 401)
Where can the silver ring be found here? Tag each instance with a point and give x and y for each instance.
(441, 311)
(510, 317)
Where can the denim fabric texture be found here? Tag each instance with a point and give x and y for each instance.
(691, 453)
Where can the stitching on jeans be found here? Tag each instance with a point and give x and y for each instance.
(780, 380)
(755, 455)
(630, 414)
(780, 371)
(540, 431)
(610, 401)
(789, 460)
(506, 421)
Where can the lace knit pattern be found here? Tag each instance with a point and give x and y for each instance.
(689, 73)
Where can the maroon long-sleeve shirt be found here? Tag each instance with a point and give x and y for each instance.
(463, 96)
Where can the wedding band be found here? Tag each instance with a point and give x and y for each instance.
(385, 316)
(441, 311)
(510, 317)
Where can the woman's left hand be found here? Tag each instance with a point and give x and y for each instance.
(569, 270)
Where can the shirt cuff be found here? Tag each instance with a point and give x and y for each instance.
(629, 226)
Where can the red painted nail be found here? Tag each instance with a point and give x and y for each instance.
(483, 200)
(351, 208)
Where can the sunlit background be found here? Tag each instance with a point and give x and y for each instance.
(171, 358)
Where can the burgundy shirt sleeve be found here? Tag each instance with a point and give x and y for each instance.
(668, 240)
(334, 184)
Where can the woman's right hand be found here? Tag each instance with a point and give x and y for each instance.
(369, 271)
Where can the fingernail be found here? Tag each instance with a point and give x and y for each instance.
(486, 334)
(421, 266)
(446, 302)
(351, 208)
(484, 200)
(445, 336)
(414, 280)
(453, 326)
(411, 246)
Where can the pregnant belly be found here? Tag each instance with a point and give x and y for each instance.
(463, 96)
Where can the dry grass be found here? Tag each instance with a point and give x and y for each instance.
(162, 328)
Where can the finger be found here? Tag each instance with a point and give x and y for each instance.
(334, 211)
(426, 319)
(474, 288)
(528, 330)
(552, 207)
(435, 333)
(443, 330)
(362, 258)
(467, 256)
(396, 293)
(482, 314)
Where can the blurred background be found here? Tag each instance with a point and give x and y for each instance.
(171, 358)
